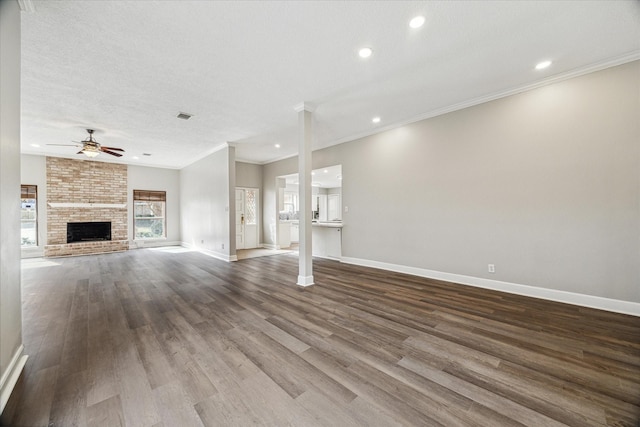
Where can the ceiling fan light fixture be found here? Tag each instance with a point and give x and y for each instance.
(90, 153)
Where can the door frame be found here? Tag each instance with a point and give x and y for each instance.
(258, 215)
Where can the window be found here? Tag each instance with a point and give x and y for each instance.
(149, 214)
(28, 215)
(290, 201)
(251, 207)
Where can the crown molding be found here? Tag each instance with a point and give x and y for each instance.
(577, 72)
(305, 106)
(27, 6)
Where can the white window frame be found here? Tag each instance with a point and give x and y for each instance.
(152, 196)
(34, 220)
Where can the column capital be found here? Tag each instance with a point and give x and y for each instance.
(305, 106)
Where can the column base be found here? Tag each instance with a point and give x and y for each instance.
(305, 280)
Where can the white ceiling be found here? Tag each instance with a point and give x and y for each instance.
(126, 68)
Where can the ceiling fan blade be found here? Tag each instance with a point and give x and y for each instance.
(80, 152)
(104, 150)
(113, 148)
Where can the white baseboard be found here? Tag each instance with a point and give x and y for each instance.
(618, 306)
(37, 252)
(136, 244)
(269, 246)
(213, 254)
(10, 376)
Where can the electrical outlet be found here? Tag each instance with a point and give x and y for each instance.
(346, 209)
(202, 242)
(491, 268)
(223, 246)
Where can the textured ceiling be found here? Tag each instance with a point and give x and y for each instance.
(127, 68)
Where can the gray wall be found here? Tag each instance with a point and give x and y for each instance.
(248, 175)
(205, 204)
(544, 184)
(10, 293)
(157, 179)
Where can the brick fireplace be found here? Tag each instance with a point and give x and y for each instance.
(85, 191)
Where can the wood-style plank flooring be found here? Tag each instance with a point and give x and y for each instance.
(176, 338)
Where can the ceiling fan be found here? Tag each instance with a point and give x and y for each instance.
(91, 147)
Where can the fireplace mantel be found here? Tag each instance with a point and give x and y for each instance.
(81, 191)
(88, 205)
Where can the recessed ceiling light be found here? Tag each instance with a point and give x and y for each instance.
(313, 173)
(277, 145)
(326, 171)
(376, 120)
(135, 157)
(417, 22)
(35, 145)
(365, 52)
(542, 65)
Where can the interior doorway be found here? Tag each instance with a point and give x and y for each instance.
(325, 208)
(247, 210)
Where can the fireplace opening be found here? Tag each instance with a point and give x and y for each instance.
(88, 231)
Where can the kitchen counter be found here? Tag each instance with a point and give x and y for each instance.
(330, 224)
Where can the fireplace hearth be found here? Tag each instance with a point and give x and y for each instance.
(88, 231)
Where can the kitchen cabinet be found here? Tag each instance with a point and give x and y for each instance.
(295, 232)
(334, 209)
(322, 207)
(284, 235)
(319, 205)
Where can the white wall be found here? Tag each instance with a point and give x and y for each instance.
(33, 171)
(11, 358)
(156, 179)
(543, 184)
(205, 193)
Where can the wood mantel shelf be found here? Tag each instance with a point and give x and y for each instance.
(88, 205)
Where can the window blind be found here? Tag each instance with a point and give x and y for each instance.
(149, 196)
(28, 191)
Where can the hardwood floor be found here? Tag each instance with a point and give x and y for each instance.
(176, 338)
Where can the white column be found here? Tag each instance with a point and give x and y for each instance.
(231, 206)
(305, 136)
